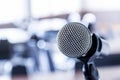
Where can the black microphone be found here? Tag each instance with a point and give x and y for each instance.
(75, 40)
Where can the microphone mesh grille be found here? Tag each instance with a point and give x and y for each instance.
(74, 39)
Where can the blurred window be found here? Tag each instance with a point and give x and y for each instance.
(102, 5)
(12, 10)
(41, 8)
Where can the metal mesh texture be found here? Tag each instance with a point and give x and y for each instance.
(74, 39)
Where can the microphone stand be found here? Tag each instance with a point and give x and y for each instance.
(88, 68)
(90, 71)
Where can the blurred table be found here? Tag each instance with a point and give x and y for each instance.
(105, 73)
(110, 73)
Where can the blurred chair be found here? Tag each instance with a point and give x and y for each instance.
(26, 54)
(33, 52)
(19, 72)
(5, 56)
(74, 17)
(57, 62)
(49, 38)
(89, 20)
(5, 51)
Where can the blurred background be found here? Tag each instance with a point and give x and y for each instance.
(28, 29)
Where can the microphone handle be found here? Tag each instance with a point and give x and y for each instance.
(105, 47)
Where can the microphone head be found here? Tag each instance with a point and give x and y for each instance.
(74, 40)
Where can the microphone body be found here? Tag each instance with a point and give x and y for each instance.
(76, 41)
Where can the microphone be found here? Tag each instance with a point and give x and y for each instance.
(76, 41)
